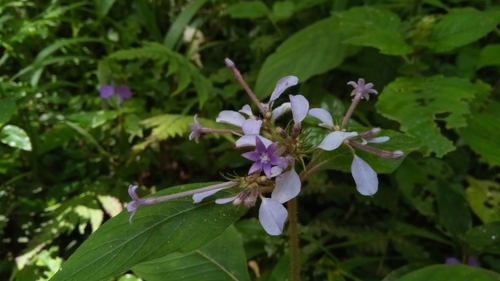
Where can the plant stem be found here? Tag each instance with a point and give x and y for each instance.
(294, 239)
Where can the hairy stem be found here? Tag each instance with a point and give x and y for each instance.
(294, 239)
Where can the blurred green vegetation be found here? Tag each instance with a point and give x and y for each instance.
(67, 155)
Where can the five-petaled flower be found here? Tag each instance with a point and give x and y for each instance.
(122, 91)
(263, 157)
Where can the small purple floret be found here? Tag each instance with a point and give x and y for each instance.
(360, 89)
(264, 157)
(122, 91)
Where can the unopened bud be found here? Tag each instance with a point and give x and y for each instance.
(281, 132)
(368, 134)
(229, 63)
(296, 129)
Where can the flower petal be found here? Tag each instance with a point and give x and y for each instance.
(225, 200)
(379, 139)
(275, 171)
(280, 110)
(246, 109)
(251, 126)
(323, 115)
(106, 91)
(452, 261)
(123, 91)
(282, 85)
(251, 155)
(230, 117)
(287, 186)
(202, 195)
(364, 176)
(335, 139)
(255, 167)
(131, 192)
(249, 140)
(300, 107)
(272, 216)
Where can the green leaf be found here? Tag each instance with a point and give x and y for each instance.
(418, 179)
(311, 51)
(481, 133)
(417, 103)
(341, 158)
(454, 213)
(15, 137)
(457, 272)
(132, 126)
(156, 231)
(88, 136)
(187, 73)
(372, 27)
(181, 21)
(7, 109)
(484, 199)
(282, 10)
(485, 238)
(221, 259)
(489, 56)
(102, 7)
(462, 26)
(247, 10)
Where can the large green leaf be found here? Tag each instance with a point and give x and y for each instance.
(16, 137)
(221, 259)
(372, 27)
(102, 7)
(457, 272)
(341, 158)
(481, 133)
(417, 103)
(156, 231)
(462, 26)
(484, 199)
(311, 51)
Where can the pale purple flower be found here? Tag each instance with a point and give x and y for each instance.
(272, 216)
(251, 130)
(263, 156)
(231, 117)
(300, 107)
(195, 129)
(135, 203)
(334, 139)
(283, 84)
(360, 89)
(246, 109)
(364, 176)
(324, 116)
(122, 91)
(280, 110)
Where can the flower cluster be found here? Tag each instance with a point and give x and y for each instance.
(274, 151)
(122, 92)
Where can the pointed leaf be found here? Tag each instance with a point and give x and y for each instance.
(311, 51)
(458, 272)
(156, 231)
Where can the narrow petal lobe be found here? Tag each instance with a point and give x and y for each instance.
(364, 176)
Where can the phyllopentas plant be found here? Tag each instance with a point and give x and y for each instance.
(274, 151)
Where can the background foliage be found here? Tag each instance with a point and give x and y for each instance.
(67, 155)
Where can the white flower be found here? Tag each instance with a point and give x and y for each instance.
(231, 117)
(300, 107)
(334, 139)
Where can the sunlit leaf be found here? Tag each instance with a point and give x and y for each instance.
(484, 199)
(247, 10)
(15, 137)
